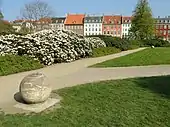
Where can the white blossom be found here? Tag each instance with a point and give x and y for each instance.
(50, 46)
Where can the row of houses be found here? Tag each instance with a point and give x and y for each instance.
(114, 25)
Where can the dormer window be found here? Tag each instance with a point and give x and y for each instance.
(74, 22)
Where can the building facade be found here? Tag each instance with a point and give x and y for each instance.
(43, 23)
(57, 23)
(126, 25)
(162, 27)
(75, 23)
(93, 25)
(112, 25)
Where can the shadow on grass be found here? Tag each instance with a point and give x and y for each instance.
(160, 85)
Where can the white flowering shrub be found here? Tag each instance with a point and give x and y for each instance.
(50, 46)
(96, 42)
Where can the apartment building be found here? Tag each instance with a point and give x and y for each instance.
(57, 23)
(93, 25)
(75, 23)
(126, 25)
(162, 27)
(112, 25)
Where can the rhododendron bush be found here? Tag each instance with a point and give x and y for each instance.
(50, 46)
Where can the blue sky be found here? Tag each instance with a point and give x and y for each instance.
(11, 8)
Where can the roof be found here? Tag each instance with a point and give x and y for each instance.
(165, 20)
(114, 19)
(93, 19)
(6, 22)
(58, 19)
(45, 20)
(126, 19)
(18, 21)
(76, 19)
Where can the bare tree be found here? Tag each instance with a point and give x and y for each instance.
(36, 10)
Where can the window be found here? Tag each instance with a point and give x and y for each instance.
(89, 29)
(96, 29)
(165, 26)
(108, 32)
(161, 31)
(164, 32)
(89, 25)
(168, 31)
(161, 26)
(99, 29)
(86, 29)
(96, 25)
(93, 25)
(104, 32)
(92, 29)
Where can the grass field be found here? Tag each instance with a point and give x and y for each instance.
(140, 102)
(156, 56)
(105, 51)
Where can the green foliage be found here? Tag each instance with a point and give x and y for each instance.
(142, 22)
(104, 51)
(156, 42)
(5, 28)
(10, 64)
(139, 102)
(122, 44)
(150, 56)
(1, 15)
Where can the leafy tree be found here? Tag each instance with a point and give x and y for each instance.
(142, 21)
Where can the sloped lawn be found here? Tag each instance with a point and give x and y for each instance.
(141, 102)
(149, 56)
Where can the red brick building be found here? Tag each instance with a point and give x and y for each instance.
(112, 25)
(163, 27)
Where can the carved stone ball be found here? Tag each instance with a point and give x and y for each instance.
(34, 88)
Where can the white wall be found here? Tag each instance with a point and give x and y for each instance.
(57, 25)
(92, 29)
(125, 29)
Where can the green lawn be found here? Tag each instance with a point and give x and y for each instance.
(98, 52)
(156, 56)
(141, 102)
(10, 64)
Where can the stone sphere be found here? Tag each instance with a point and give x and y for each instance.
(34, 88)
